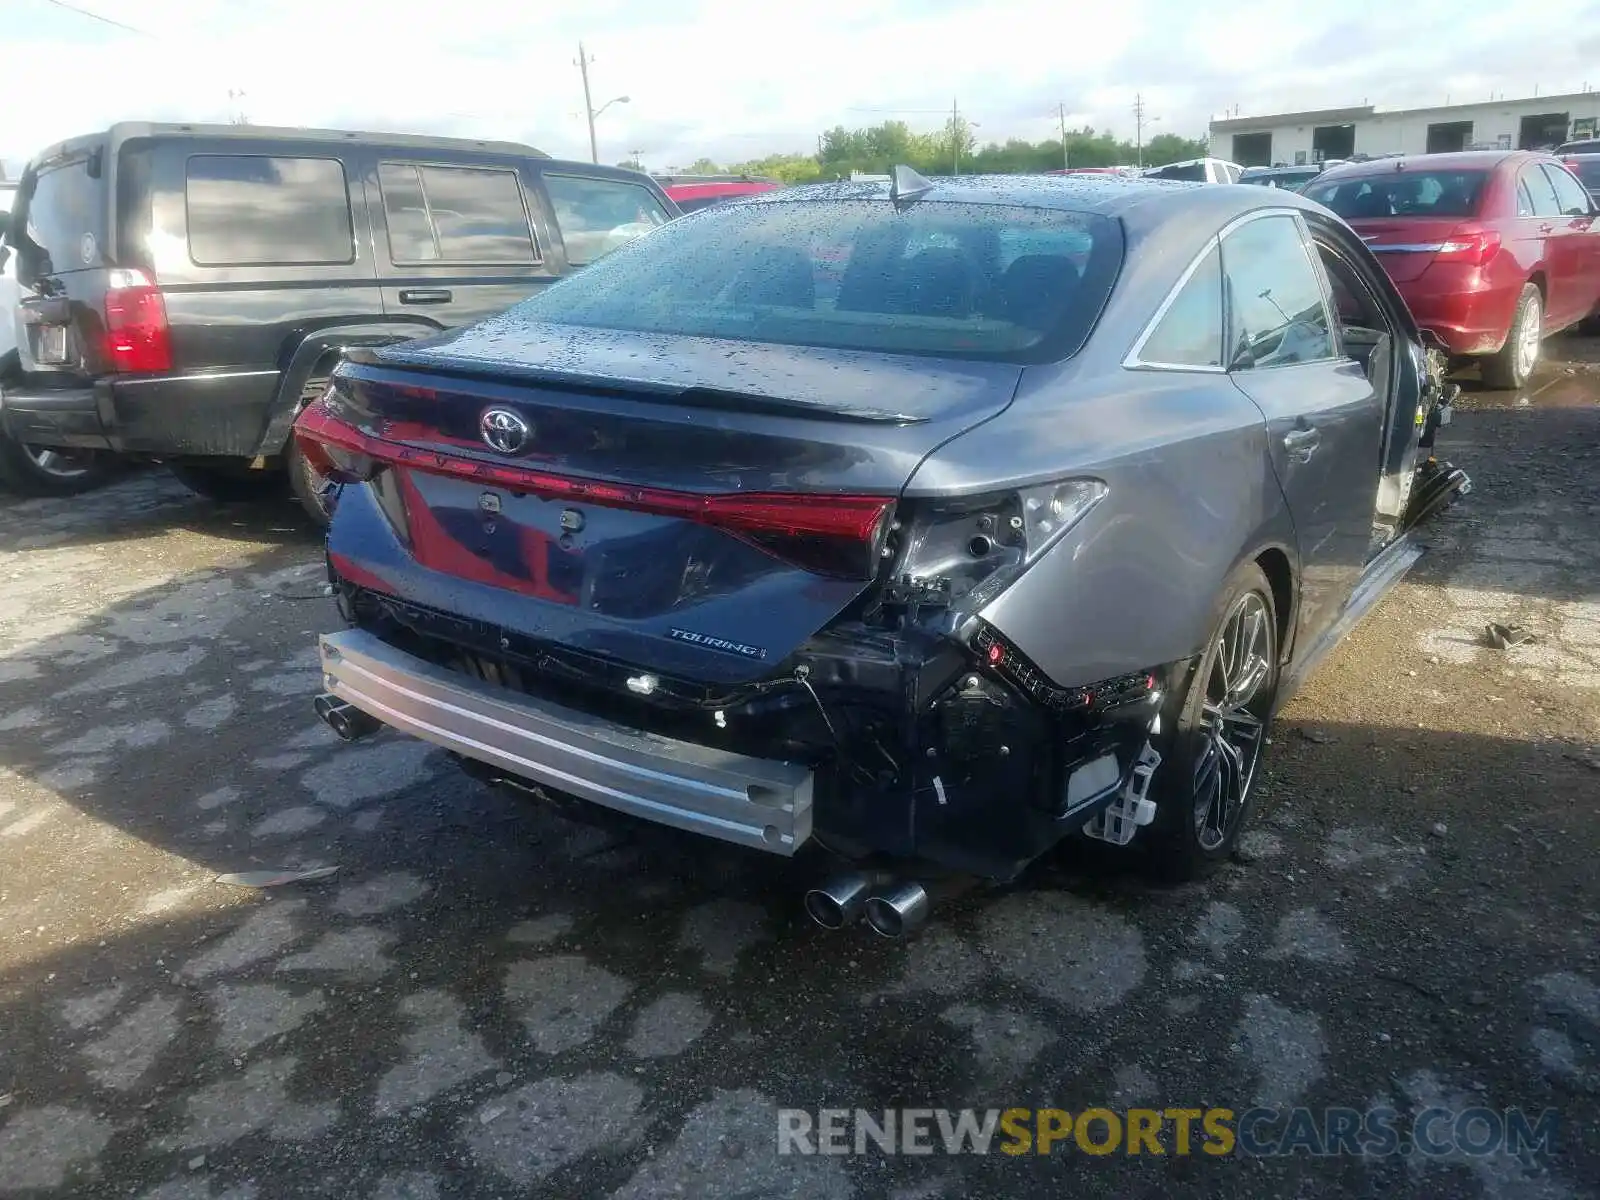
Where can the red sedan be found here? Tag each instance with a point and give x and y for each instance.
(694, 192)
(1494, 250)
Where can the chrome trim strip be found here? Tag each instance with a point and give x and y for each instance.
(752, 802)
(1406, 247)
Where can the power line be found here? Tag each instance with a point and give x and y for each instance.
(94, 16)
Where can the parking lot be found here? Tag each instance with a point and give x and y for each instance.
(486, 1000)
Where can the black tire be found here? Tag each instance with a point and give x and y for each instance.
(307, 485)
(37, 471)
(1512, 367)
(227, 483)
(1191, 834)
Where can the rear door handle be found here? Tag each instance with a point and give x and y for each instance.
(425, 296)
(1547, 228)
(1301, 444)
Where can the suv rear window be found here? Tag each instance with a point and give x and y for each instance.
(66, 217)
(458, 215)
(251, 210)
(1402, 194)
(983, 281)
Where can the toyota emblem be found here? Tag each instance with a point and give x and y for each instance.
(503, 430)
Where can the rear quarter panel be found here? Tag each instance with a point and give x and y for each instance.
(1191, 493)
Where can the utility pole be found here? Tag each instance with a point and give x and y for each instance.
(955, 138)
(1138, 128)
(588, 104)
(1063, 113)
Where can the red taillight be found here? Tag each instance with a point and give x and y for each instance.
(333, 447)
(137, 335)
(834, 535)
(1474, 246)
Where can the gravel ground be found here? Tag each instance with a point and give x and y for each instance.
(484, 1000)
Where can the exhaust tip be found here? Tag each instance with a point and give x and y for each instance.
(344, 718)
(838, 902)
(898, 911)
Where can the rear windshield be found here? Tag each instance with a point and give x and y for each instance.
(1402, 194)
(1292, 180)
(1587, 170)
(962, 280)
(65, 218)
(1190, 172)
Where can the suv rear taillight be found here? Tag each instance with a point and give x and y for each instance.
(1465, 244)
(137, 337)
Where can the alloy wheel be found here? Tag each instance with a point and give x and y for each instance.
(1232, 720)
(57, 464)
(1530, 332)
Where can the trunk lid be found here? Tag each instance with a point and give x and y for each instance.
(1406, 246)
(690, 506)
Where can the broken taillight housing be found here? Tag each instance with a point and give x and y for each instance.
(979, 545)
(838, 535)
(1005, 660)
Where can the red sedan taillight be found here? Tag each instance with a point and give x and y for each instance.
(1469, 245)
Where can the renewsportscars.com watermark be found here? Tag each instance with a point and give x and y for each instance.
(1218, 1132)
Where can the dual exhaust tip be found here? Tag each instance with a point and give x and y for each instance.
(344, 718)
(892, 910)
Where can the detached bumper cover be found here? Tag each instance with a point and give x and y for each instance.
(753, 802)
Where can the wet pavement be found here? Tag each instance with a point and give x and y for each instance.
(486, 1000)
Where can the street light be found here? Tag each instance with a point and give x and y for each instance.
(584, 59)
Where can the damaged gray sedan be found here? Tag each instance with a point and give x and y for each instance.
(915, 525)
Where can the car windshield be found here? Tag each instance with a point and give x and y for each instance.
(1402, 194)
(983, 281)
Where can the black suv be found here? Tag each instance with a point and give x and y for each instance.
(188, 288)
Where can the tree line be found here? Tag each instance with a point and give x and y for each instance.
(953, 148)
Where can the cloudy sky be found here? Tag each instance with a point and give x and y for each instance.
(734, 80)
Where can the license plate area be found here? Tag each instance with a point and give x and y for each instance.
(48, 344)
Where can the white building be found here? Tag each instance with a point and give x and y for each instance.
(1529, 124)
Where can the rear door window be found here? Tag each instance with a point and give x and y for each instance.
(256, 210)
(469, 216)
(66, 216)
(596, 216)
(1277, 305)
(1574, 201)
(1541, 194)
